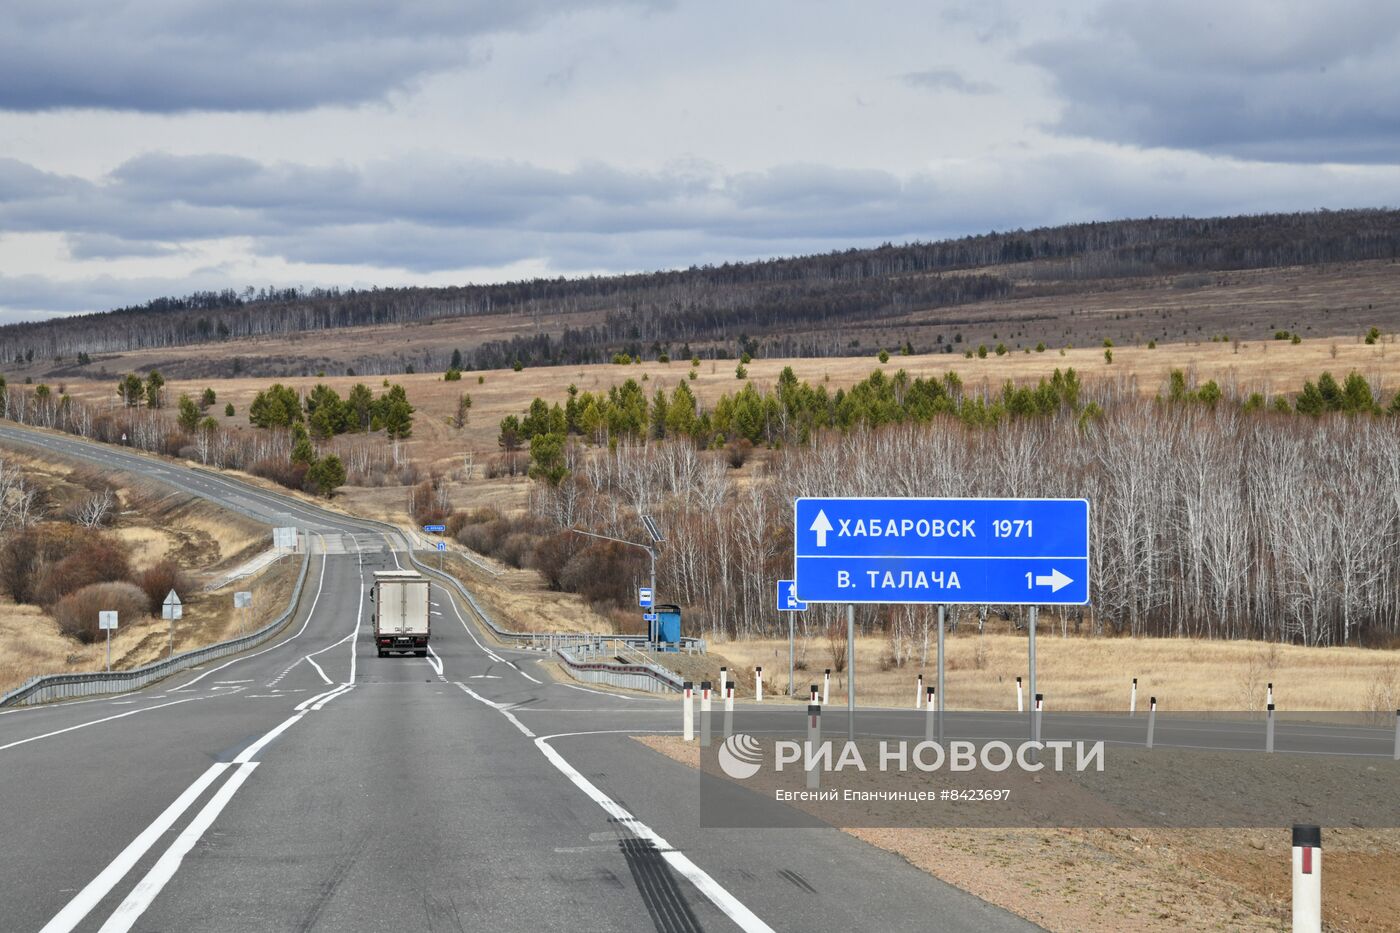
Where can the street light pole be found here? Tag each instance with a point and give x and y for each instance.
(651, 553)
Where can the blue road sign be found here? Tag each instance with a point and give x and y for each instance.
(644, 597)
(998, 551)
(787, 598)
(648, 617)
(442, 545)
(434, 528)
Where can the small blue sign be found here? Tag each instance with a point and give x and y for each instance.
(787, 597)
(979, 551)
(649, 617)
(434, 528)
(442, 545)
(644, 597)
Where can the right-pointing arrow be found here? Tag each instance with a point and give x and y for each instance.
(1056, 580)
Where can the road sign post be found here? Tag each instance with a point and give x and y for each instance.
(172, 610)
(243, 599)
(789, 603)
(107, 621)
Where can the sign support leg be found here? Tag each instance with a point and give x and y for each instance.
(942, 695)
(851, 671)
(790, 686)
(1032, 620)
(109, 651)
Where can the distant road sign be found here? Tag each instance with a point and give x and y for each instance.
(285, 537)
(649, 617)
(171, 607)
(996, 551)
(106, 619)
(787, 597)
(442, 545)
(242, 599)
(434, 528)
(644, 597)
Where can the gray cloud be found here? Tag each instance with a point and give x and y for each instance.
(939, 79)
(1292, 81)
(179, 55)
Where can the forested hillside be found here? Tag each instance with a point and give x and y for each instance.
(798, 304)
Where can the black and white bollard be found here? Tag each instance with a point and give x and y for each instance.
(758, 684)
(704, 714)
(1269, 729)
(814, 739)
(931, 714)
(1397, 735)
(1132, 699)
(1307, 878)
(728, 710)
(812, 694)
(919, 692)
(723, 679)
(1020, 697)
(1269, 694)
(826, 687)
(688, 712)
(1151, 719)
(1039, 709)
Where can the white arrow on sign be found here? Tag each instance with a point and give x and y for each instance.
(1056, 580)
(821, 525)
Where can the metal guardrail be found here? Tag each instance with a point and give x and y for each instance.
(635, 675)
(49, 687)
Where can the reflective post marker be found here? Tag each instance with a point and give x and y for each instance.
(812, 694)
(1132, 699)
(688, 712)
(728, 710)
(826, 688)
(930, 713)
(758, 684)
(1397, 735)
(1269, 729)
(723, 679)
(814, 738)
(919, 692)
(1269, 694)
(1020, 697)
(1039, 709)
(1307, 878)
(704, 714)
(1151, 719)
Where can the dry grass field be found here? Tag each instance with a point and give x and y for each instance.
(1151, 880)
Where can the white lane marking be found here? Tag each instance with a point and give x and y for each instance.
(95, 722)
(601, 693)
(123, 702)
(318, 669)
(160, 874)
(521, 672)
(458, 613)
(732, 907)
(345, 688)
(82, 904)
(248, 681)
(502, 708)
(484, 677)
(309, 615)
(359, 606)
(436, 661)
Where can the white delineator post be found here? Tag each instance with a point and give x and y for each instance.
(1397, 735)
(812, 697)
(728, 710)
(1307, 878)
(1020, 697)
(931, 714)
(1151, 719)
(705, 714)
(723, 679)
(814, 738)
(1039, 709)
(1269, 729)
(688, 712)
(1269, 694)
(919, 692)
(826, 687)
(758, 684)
(1132, 699)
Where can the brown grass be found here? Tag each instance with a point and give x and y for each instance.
(1157, 880)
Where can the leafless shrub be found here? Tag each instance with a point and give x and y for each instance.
(76, 613)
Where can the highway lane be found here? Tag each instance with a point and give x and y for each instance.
(403, 794)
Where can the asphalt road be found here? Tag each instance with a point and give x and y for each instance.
(310, 785)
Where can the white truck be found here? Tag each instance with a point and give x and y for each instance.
(402, 622)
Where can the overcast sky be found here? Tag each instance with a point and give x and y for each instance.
(152, 147)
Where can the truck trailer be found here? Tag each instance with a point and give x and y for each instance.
(402, 622)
